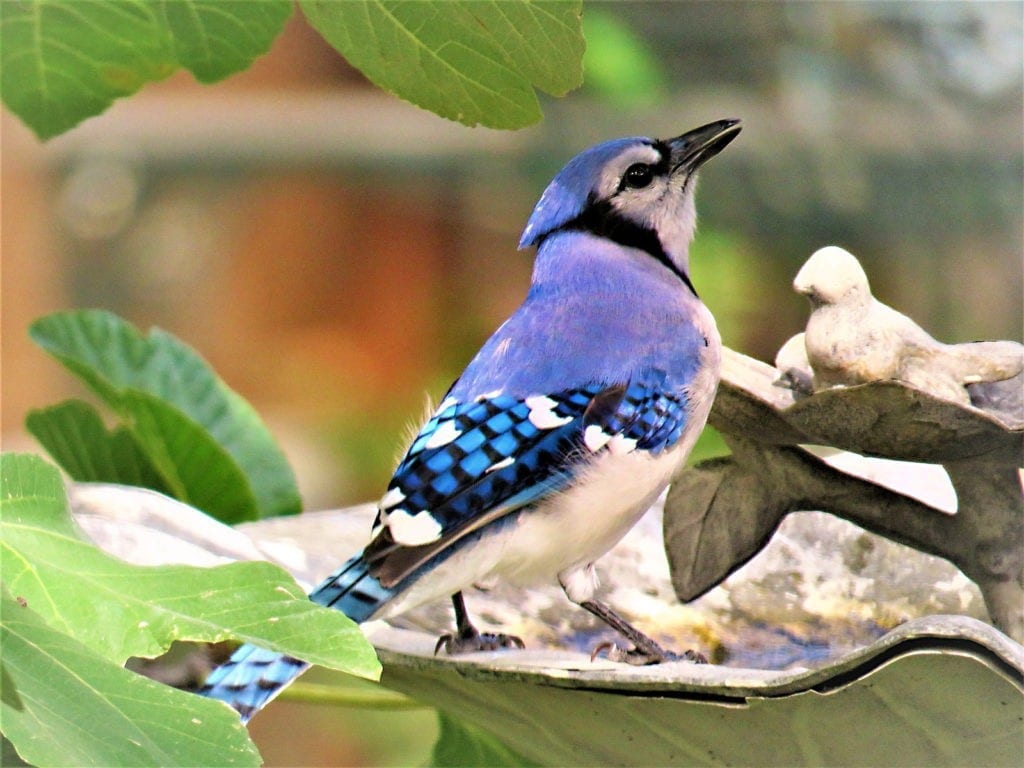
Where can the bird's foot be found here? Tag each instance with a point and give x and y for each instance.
(642, 658)
(469, 641)
(645, 650)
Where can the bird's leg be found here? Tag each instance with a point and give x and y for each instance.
(468, 639)
(645, 650)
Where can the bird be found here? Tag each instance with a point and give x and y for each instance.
(564, 428)
(852, 338)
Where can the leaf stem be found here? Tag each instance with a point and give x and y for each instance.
(320, 693)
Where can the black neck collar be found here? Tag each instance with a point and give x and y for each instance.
(603, 220)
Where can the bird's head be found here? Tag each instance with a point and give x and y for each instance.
(832, 276)
(636, 191)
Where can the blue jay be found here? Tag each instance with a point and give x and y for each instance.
(565, 427)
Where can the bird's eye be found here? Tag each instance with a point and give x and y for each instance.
(638, 176)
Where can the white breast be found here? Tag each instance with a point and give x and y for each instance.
(559, 540)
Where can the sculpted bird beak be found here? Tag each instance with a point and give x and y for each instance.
(694, 148)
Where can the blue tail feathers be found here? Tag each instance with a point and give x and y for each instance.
(253, 676)
(353, 591)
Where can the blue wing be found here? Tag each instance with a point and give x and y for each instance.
(474, 462)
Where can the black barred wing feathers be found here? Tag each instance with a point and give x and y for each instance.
(474, 462)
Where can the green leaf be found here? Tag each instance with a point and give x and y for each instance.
(62, 61)
(475, 62)
(200, 470)
(64, 705)
(74, 435)
(120, 610)
(213, 39)
(58, 67)
(460, 744)
(206, 442)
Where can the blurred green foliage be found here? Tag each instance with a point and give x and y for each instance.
(618, 66)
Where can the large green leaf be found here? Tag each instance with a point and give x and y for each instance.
(65, 60)
(207, 443)
(64, 705)
(74, 435)
(213, 39)
(201, 470)
(460, 743)
(476, 62)
(120, 610)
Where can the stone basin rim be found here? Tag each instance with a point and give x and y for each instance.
(958, 635)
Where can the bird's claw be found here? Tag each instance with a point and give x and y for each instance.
(476, 641)
(639, 658)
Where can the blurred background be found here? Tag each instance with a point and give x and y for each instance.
(338, 255)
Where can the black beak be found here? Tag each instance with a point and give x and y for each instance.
(694, 148)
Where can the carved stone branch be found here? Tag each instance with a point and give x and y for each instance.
(724, 511)
(721, 513)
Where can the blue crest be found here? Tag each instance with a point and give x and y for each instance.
(567, 194)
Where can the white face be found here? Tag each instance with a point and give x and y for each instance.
(665, 204)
